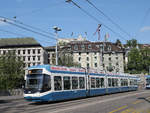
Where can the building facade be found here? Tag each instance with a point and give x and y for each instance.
(28, 49)
(104, 56)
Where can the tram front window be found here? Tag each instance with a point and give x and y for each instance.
(34, 83)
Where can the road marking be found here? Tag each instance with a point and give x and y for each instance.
(136, 102)
(94, 103)
(118, 109)
(130, 111)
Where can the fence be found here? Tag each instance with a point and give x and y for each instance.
(11, 92)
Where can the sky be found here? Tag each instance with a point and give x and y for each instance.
(133, 16)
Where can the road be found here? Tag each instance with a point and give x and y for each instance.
(128, 102)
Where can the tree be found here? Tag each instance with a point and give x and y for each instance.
(131, 43)
(66, 59)
(11, 71)
(134, 61)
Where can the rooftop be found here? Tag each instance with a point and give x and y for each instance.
(18, 42)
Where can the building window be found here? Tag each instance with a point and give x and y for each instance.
(28, 58)
(95, 58)
(87, 53)
(28, 64)
(39, 58)
(82, 47)
(87, 58)
(79, 59)
(33, 51)
(95, 64)
(18, 52)
(109, 58)
(95, 53)
(109, 48)
(87, 65)
(75, 47)
(89, 46)
(116, 58)
(33, 64)
(24, 58)
(4, 52)
(24, 52)
(79, 53)
(28, 51)
(33, 58)
(39, 51)
(117, 64)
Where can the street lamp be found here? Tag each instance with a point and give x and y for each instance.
(56, 33)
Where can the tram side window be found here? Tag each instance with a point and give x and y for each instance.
(81, 82)
(67, 84)
(74, 83)
(126, 82)
(135, 82)
(122, 82)
(98, 84)
(57, 83)
(102, 82)
(109, 82)
(92, 82)
(116, 82)
(47, 83)
(113, 82)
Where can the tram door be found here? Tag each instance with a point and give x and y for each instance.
(87, 85)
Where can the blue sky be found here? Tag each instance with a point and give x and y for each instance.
(132, 15)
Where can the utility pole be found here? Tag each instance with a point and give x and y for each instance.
(56, 33)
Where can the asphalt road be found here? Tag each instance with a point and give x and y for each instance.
(128, 102)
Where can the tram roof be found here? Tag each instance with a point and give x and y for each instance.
(74, 70)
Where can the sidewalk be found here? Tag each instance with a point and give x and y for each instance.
(11, 98)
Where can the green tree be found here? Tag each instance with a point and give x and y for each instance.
(11, 71)
(67, 60)
(131, 43)
(134, 61)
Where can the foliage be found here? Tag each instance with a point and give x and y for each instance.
(131, 43)
(11, 71)
(67, 60)
(138, 61)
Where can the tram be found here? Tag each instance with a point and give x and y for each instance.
(147, 78)
(56, 83)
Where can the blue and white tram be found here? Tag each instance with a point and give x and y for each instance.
(55, 83)
(147, 78)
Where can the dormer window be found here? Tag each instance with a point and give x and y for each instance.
(89, 46)
(75, 47)
(109, 48)
(82, 47)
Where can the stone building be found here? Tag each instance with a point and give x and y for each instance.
(104, 56)
(30, 51)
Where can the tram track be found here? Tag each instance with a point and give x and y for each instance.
(26, 107)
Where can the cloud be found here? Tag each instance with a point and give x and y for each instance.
(145, 28)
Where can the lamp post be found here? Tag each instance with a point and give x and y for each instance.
(56, 33)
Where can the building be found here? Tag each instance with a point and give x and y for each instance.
(104, 56)
(30, 51)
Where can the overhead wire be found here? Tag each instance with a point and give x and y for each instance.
(11, 32)
(100, 11)
(95, 18)
(35, 28)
